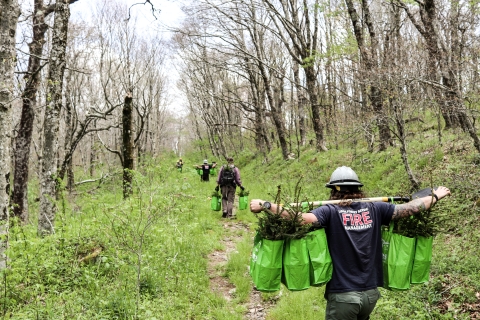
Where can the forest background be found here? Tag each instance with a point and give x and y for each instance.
(97, 224)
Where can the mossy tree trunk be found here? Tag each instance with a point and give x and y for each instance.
(48, 184)
(9, 11)
(128, 144)
(23, 140)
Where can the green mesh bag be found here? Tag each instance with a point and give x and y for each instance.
(266, 264)
(242, 203)
(400, 261)
(321, 266)
(296, 265)
(216, 202)
(422, 260)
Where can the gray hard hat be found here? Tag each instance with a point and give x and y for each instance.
(344, 176)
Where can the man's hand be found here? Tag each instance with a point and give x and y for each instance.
(419, 205)
(242, 187)
(217, 188)
(255, 205)
(442, 192)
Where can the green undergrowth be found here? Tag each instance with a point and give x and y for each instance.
(236, 269)
(453, 291)
(141, 258)
(146, 257)
(306, 305)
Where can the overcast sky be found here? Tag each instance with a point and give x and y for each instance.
(170, 15)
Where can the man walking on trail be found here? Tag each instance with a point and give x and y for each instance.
(179, 165)
(228, 180)
(356, 252)
(206, 167)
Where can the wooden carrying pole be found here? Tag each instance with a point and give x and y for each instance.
(419, 194)
(377, 199)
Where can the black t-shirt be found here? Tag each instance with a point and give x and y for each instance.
(355, 243)
(206, 168)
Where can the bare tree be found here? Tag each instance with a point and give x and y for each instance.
(32, 78)
(48, 208)
(23, 139)
(297, 24)
(369, 55)
(235, 57)
(81, 112)
(239, 49)
(129, 62)
(442, 60)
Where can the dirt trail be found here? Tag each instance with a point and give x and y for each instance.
(256, 308)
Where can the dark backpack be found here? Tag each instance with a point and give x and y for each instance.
(228, 176)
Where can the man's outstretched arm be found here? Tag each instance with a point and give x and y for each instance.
(256, 206)
(420, 204)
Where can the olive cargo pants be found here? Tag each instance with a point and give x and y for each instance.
(355, 305)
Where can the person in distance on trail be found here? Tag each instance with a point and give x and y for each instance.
(353, 232)
(228, 179)
(179, 165)
(206, 167)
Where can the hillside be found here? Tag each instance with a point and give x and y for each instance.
(454, 289)
(148, 257)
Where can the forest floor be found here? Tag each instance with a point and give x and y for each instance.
(219, 283)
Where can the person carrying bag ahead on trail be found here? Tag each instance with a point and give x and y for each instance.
(206, 167)
(354, 239)
(179, 165)
(228, 180)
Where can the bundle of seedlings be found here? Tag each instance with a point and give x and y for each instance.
(243, 193)
(307, 205)
(216, 194)
(423, 224)
(276, 226)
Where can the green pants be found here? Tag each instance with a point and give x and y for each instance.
(355, 305)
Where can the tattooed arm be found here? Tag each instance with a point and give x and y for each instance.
(256, 206)
(419, 205)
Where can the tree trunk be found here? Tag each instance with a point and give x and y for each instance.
(9, 12)
(370, 65)
(127, 146)
(403, 147)
(277, 120)
(23, 139)
(301, 102)
(68, 146)
(93, 154)
(49, 177)
(376, 96)
(262, 141)
(311, 81)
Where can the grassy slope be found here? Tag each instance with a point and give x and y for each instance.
(157, 243)
(454, 289)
